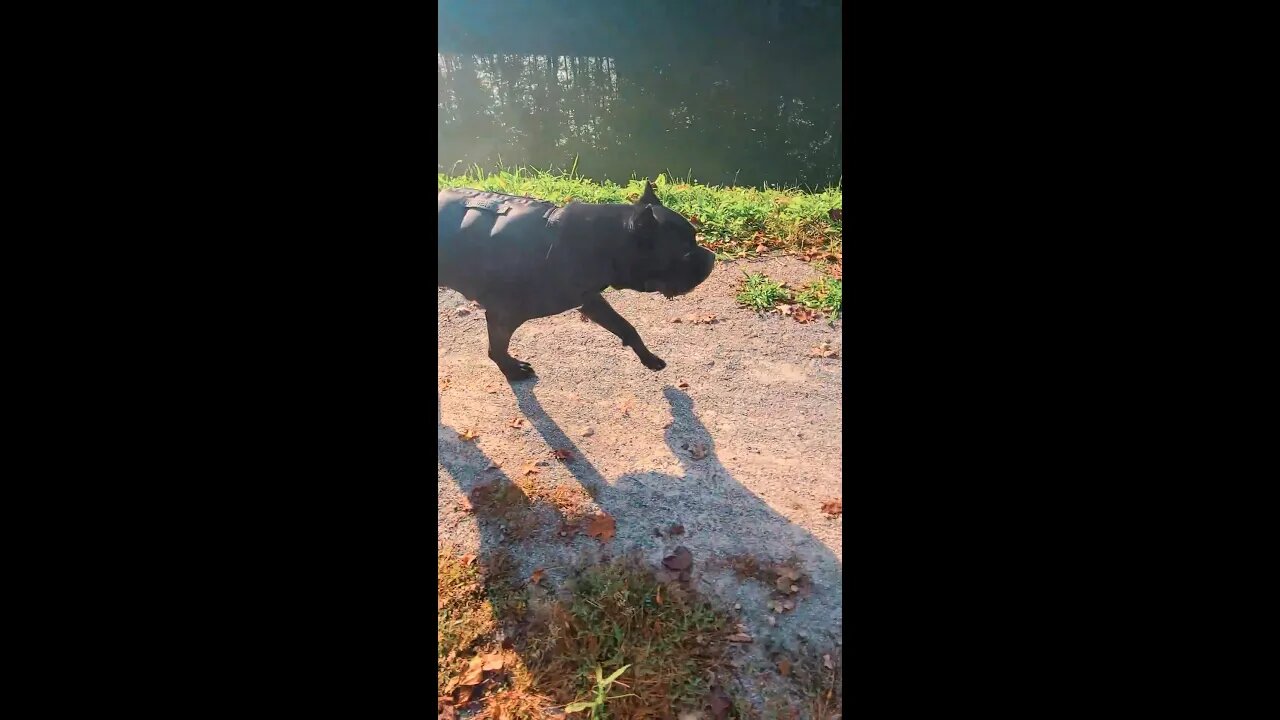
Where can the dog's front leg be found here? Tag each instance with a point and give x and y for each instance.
(605, 316)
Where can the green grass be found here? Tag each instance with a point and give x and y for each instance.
(824, 294)
(733, 221)
(760, 293)
(616, 615)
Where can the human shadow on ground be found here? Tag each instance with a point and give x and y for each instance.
(721, 518)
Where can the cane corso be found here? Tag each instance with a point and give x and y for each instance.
(522, 258)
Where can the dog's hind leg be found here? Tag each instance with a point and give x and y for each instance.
(500, 330)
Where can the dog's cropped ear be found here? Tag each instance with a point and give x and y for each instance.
(649, 197)
(644, 223)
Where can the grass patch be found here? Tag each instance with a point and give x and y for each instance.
(825, 294)
(735, 222)
(761, 293)
(555, 640)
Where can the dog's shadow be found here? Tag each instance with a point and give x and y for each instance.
(722, 519)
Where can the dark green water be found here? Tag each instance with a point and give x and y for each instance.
(740, 92)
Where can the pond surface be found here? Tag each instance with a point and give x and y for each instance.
(723, 92)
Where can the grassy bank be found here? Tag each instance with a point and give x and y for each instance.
(735, 222)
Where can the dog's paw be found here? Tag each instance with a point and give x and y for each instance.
(653, 362)
(518, 371)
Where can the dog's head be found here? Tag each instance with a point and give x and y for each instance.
(669, 259)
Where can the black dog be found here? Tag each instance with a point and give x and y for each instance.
(522, 258)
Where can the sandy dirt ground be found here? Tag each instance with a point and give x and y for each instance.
(744, 388)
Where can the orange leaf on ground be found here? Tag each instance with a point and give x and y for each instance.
(824, 350)
(493, 661)
(468, 434)
(682, 385)
(474, 673)
(467, 559)
(529, 468)
(602, 526)
(803, 315)
(536, 577)
(833, 507)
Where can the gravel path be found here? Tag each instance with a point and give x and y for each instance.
(768, 414)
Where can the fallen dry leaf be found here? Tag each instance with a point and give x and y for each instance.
(465, 693)
(720, 703)
(785, 309)
(740, 638)
(537, 575)
(467, 559)
(602, 526)
(707, 319)
(529, 468)
(679, 560)
(468, 435)
(493, 661)
(516, 423)
(803, 315)
(682, 385)
(563, 455)
(697, 451)
(761, 248)
(824, 350)
(782, 583)
(444, 384)
(833, 507)
(784, 667)
(474, 673)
